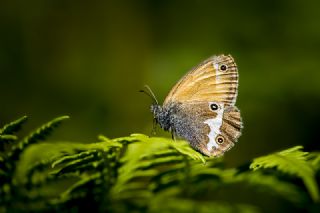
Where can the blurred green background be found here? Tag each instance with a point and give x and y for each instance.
(89, 59)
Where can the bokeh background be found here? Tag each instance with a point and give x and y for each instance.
(89, 59)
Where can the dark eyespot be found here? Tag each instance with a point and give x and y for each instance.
(220, 139)
(223, 67)
(213, 107)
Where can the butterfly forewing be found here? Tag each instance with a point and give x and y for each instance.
(216, 79)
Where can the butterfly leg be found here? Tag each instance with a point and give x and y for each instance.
(154, 127)
(173, 134)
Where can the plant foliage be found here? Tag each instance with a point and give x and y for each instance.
(146, 174)
(294, 162)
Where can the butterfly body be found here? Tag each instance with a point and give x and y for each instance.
(200, 107)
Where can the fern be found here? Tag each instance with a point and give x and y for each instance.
(292, 161)
(138, 173)
(13, 127)
(314, 159)
(11, 150)
(168, 201)
(7, 138)
(39, 134)
(272, 184)
(6, 132)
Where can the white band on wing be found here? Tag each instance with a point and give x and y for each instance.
(214, 124)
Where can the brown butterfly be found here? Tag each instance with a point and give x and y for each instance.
(201, 107)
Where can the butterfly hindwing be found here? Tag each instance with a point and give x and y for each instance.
(210, 127)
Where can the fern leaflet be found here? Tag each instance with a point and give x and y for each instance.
(292, 161)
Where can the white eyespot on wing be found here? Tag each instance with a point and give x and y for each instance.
(214, 124)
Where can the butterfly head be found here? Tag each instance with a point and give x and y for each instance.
(161, 115)
(156, 110)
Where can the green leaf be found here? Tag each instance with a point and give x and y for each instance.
(169, 201)
(292, 161)
(72, 166)
(314, 159)
(270, 183)
(13, 127)
(74, 190)
(7, 138)
(139, 173)
(39, 134)
(73, 158)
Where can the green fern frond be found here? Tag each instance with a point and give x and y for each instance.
(184, 148)
(147, 174)
(158, 154)
(181, 146)
(39, 134)
(13, 126)
(7, 138)
(163, 163)
(270, 183)
(74, 191)
(73, 166)
(59, 154)
(198, 172)
(171, 152)
(314, 159)
(184, 205)
(38, 167)
(129, 139)
(103, 138)
(43, 155)
(292, 161)
(72, 158)
(170, 201)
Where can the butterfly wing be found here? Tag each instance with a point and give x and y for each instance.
(203, 102)
(216, 79)
(211, 130)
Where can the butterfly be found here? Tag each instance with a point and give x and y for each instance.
(201, 109)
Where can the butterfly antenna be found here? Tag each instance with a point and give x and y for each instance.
(150, 94)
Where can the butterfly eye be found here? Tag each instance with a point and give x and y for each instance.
(223, 67)
(213, 107)
(220, 139)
